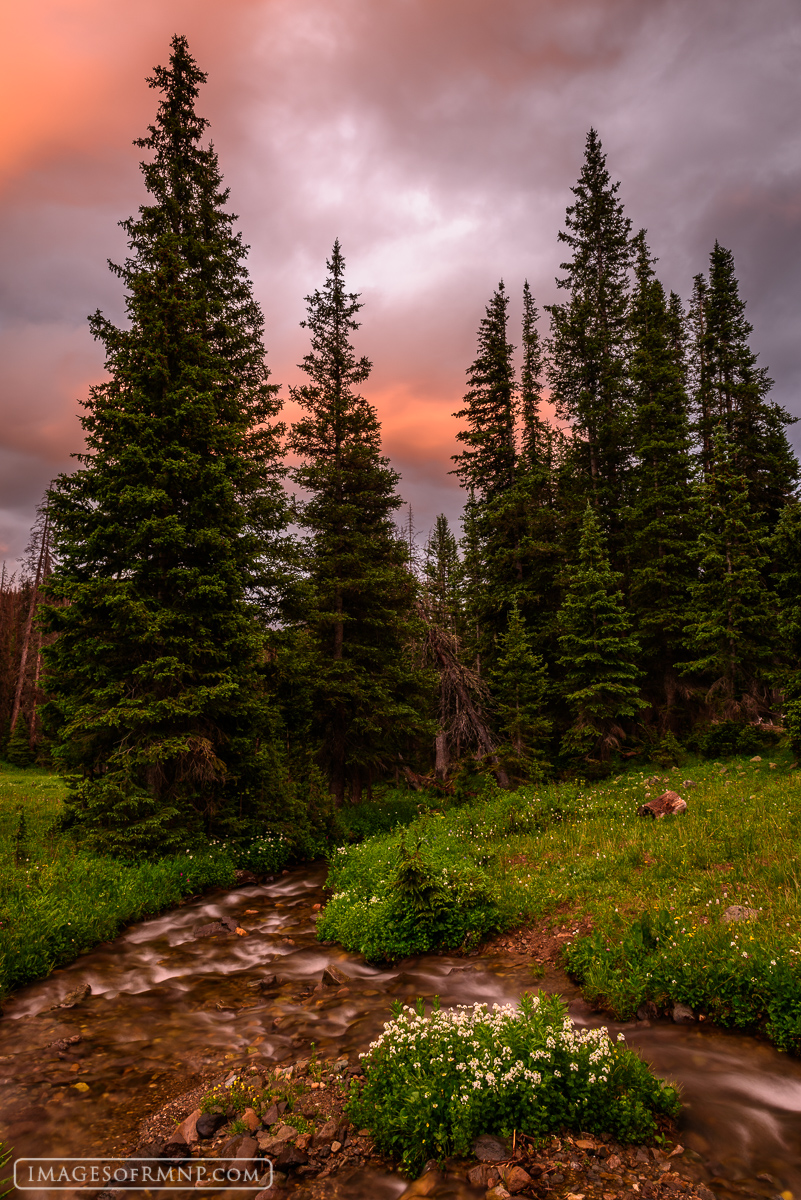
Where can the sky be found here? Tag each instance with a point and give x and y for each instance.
(437, 139)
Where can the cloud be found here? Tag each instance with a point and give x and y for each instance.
(438, 139)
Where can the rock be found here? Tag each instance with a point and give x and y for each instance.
(326, 1133)
(213, 929)
(647, 1011)
(251, 1120)
(208, 1123)
(704, 1192)
(484, 1175)
(336, 1147)
(244, 877)
(333, 977)
(188, 1127)
(614, 1162)
(488, 1148)
(737, 912)
(271, 1116)
(424, 1186)
(291, 1156)
(682, 1014)
(515, 1179)
(756, 758)
(688, 783)
(176, 1147)
(64, 1043)
(499, 1192)
(667, 805)
(246, 1152)
(230, 1148)
(76, 996)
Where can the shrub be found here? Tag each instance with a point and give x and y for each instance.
(740, 978)
(434, 1083)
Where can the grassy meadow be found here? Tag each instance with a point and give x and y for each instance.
(653, 892)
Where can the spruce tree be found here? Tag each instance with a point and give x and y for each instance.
(588, 344)
(785, 550)
(660, 528)
(369, 698)
(486, 466)
(598, 650)
(519, 685)
(732, 392)
(442, 575)
(731, 612)
(163, 534)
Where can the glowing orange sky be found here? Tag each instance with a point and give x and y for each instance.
(437, 139)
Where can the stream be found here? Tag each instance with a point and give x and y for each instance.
(167, 1007)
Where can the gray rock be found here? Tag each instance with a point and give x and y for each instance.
(208, 1124)
(76, 996)
(243, 878)
(647, 1011)
(682, 1014)
(688, 783)
(213, 929)
(64, 1043)
(488, 1148)
(737, 912)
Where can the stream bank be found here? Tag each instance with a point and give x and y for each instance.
(170, 1011)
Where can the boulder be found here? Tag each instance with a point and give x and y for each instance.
(333, 977)
(682, 1014)
(647, 1011)
(484, 1175)
(207, 1124)
(488, 1148)
(251, 1120)
(738, 912)
(243, 878)
(666, 805)
(326, 1133)
(290, 1156)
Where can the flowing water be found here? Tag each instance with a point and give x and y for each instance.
(167, 1006)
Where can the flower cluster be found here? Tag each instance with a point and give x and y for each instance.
(434, 1081)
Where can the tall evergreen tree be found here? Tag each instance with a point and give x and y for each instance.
(660, 523)
(369, 698)
(519, 685)
(163, 533)
(598, 650)
(486, 466)
(786, 556)
(588, 344)
(442, 576)
(733, 393)
(731, 610)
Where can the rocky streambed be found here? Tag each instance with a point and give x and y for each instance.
(231, 986)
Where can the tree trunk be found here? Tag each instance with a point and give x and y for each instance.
(442, 755)
(26, 635)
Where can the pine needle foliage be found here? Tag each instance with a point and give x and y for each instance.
(731, 610)
(519, 684)
(163, 534)
(598, 651)
(660, 525)
(588, 352)
(369, 698)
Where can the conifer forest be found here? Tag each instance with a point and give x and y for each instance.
(226, 622)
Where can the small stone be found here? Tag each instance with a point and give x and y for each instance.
(76, 996)
(291, 1156)
(251, 1120)
(208, 1123)
(244, 877)
(584, 1144)
(756, 758)
(499, 1192)
(647, 1011)
(682, 1014)
(271, 1116)
(487, 1148)
(482, 1175)
(614, 1162)
(333, 977)
(738, 912)
(188, 1128)
(81, 1087)
(364, 1133)
(326, 1133)
(688, 783)
(515, 1179)
(676, 1151)
(65, 1043)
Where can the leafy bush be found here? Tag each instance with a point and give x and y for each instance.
(729, 738)
(739, 978)
(668, 751)
(434, 1083)
(386, 811)
(400, 900)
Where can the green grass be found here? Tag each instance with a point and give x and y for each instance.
(576, 852)
(57, 900)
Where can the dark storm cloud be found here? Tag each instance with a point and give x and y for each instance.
(439, 141)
